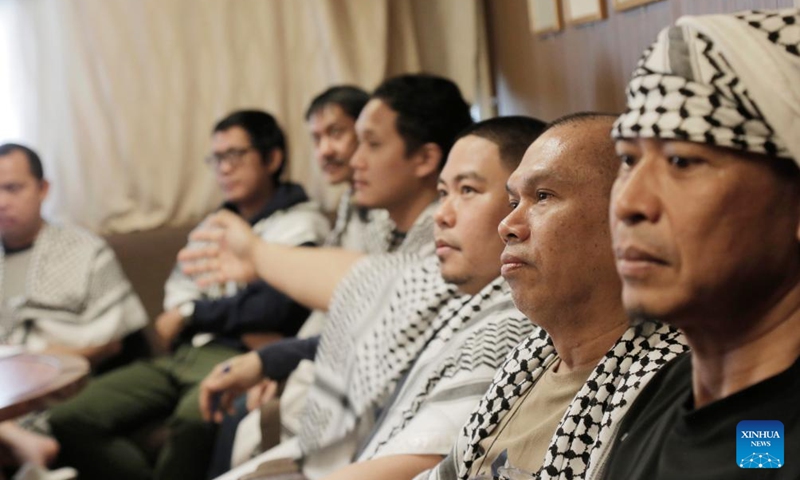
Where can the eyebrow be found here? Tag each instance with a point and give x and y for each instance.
(471, 175)
(231, 149)
(334, 125)
(529, 182)
(365, 132)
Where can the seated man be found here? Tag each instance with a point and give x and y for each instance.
(560, 393)
(396, 167)
(207, 326)
(331, 118)
(432, 329)
(62, 290)
(706, 228)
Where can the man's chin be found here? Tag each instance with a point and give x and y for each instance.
(337, 179)
(638, 314)
(335, 176)
(455, 278)
(232, 196)
(364, 200)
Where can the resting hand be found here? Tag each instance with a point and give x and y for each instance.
(262, 393)
(168, 326)
(226, 382)
(228, 255)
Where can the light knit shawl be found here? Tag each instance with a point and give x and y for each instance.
(73, 280)
(580, 443)
(723, 80)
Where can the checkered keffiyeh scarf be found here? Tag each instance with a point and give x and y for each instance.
(723, 80)
(583, 438)
(382, 318)
(61, 284)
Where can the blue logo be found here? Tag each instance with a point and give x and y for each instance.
(759, 444)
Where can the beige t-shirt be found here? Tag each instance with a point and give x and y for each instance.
(526, 430)
(15, 273)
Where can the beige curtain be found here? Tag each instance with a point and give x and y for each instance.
(119, 96)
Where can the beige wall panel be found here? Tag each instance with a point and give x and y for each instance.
(582, 67)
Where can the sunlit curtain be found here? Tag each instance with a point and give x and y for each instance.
(9, 109)
(119, 96)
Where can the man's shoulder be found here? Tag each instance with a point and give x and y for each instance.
(300, 223)
(73, 236)
(307, 211)
(662, 394)
(308, 207)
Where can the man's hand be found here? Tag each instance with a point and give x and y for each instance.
(169, 325)
(227, 381)
(262, 393)
(229, 255)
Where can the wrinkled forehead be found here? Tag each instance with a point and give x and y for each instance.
(546, 165)
(573, 154)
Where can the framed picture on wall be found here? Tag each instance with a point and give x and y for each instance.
(544, 16)
(584, 11)
(626, 4)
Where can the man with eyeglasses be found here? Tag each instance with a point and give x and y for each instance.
(404, 132)
(205, 326)
(330, 120)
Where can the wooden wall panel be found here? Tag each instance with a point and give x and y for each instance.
(584, 67)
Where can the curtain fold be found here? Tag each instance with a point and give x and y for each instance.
(119, 96)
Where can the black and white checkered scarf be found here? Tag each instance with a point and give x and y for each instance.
(386, 312)
(581, 441)
(721, 80)
(73, 280)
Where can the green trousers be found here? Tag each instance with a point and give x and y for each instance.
(94, 427)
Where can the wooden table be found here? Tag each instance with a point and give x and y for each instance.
(30, 381)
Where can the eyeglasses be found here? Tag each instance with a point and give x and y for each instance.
(233, 157)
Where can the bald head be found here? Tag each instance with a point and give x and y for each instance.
(558, 230)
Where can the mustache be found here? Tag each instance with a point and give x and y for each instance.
(335, 161)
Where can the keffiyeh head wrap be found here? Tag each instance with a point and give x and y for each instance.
(723, 80)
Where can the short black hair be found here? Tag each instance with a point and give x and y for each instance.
(512, 135)
(429, 109)
(351, 99)
(265, 134)
(579, 117)
(34, 162)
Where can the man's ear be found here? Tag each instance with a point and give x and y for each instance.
(428, 160)
(44, 188)
(275, 160)
(797, 232)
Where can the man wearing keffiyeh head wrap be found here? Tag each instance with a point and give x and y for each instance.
(705, 218)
